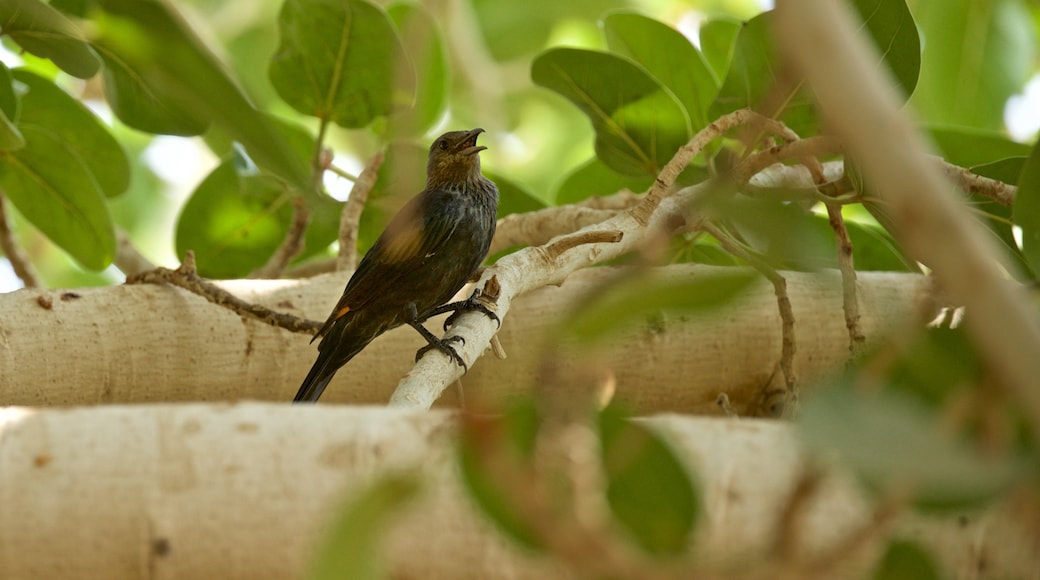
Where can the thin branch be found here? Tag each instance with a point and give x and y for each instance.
(291, 246)
(23, 268)
(998, 191)
(321, 159)
(128, 259)
(850, 301)
(783, 302)
(351, 216)
(342, 172)
(186, 277)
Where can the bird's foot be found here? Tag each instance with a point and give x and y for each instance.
(470, 304)
(444, 345)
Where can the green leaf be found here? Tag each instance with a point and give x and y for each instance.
(512, 197)
(981, 51)
(47, 33)
(352, 547)
(593, 178)
(172, 69)
(786, 235)
(1026, 211)
(997, 218)
(631, 298)
(47, 107)
(337, 60)
(234, 221)
(52, 187)
(639, 124)
(968, 147)
(892, 27)
(492, 452)
(895, 442)
(873, 248)
(515, 30)
(648, 488)
(718, 38)
(668, 56)
(425, 50)
(10, 137)
(906, 560)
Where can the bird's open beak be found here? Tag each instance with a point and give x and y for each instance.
(468, 146)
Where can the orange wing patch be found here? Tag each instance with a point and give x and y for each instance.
(341, 312)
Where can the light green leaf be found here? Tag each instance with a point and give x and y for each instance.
(968, 146)
(593, 178)
(998, 218)
(10, 137)
(338, 60)
(47, 33)
(47, 107)
(1026, 210)
(668, 56)
(166, 65)
(718, 38)
(425, 50)
(513, 197)
(648, 489)
(352, 547)
(639, 125)
(892, 27)
(52, 187)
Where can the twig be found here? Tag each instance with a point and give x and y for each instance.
(128, 259)
(291, 246)
(343, 173)
(186, 277)
(850, 301)
(351, 216)
(998, 191)
(20, 263)
(538, 227)
(787, 540)
(788, 347)
(813, 147)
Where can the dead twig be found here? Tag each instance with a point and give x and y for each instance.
(20, 263)
(291, 246)
(351, 217)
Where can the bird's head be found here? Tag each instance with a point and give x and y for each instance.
(454, 159)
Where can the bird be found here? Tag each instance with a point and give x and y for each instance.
(427, 253)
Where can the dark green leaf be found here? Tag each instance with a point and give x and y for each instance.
(978, 53)
(895, 442)
(892, 27)
(968, 147)
(10, 137)
(997, 217)
(47, 107)
(631, 298)
(492, 452)
(47, 33)
(352, 547)
(593, 178)
(425, 49)
(52, 187)
(718, 38)
(169, 67)
(668, 56)
(1026, 210)
(648, 488)
(639, 124)
(234, 221)
(938, 362)
(338, 60)
(873, 248)
(906, 560)
(787, 235)
(512, 197)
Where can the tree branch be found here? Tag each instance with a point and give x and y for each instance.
(351, 216)
(20, 263)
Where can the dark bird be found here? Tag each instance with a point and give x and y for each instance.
(430, 249)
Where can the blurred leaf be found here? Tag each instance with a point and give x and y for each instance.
(512, 197)
(705, 252)
(53, 188)
(982, 51)
(894, 441)
(425, 49)
(337, 60)
(718, 37)
(593, 178)
(234, 222)
(892, 27)
(352, 547)
(10, 137)
(515, 30)
(47, 33)
(967, 147)
(639, 125)
(162, 64)
(786, 235)
(997, 217)
(873, 248)
(648, 488)
(493, 452)
(668, 56)
(1026, 209)
(402, 177)
(906, 560)
(935, 364)
(631, 298)
(47, 107)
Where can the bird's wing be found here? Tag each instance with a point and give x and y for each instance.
(415, 234)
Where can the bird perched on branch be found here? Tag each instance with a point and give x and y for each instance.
(427, 253)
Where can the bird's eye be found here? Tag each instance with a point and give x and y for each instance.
(443, 145)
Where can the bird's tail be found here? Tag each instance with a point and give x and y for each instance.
(335, 349)
(314, 385)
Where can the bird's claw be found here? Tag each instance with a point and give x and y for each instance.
(470, 305)
(444, 346)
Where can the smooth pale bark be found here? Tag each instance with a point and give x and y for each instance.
(244, 490)
(132, 344)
